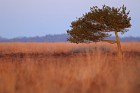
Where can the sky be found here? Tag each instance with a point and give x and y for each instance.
(19, 18)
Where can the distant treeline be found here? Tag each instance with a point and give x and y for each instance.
(58, 38)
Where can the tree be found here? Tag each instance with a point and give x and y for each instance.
(95, 25)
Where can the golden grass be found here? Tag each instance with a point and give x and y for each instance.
(69, 68)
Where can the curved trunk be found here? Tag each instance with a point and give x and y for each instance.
(117, 41)
(118, 44)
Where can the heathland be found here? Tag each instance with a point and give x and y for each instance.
(69, 68)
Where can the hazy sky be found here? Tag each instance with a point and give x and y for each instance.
(41, 17)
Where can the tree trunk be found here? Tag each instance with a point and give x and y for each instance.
(118, 44)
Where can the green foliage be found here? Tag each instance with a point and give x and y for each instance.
(95, 25)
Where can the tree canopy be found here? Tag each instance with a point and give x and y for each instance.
(96, 24)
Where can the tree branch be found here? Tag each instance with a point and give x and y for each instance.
(109, 41)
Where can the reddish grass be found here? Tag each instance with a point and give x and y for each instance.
(69, 68)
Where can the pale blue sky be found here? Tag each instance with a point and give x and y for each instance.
(41, 17)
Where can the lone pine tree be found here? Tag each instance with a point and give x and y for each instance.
(95, 25)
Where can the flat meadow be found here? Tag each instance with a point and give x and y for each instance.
(69, 68)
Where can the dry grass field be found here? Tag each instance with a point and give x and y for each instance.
(69, 68)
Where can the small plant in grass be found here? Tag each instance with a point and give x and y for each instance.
(83, 50)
